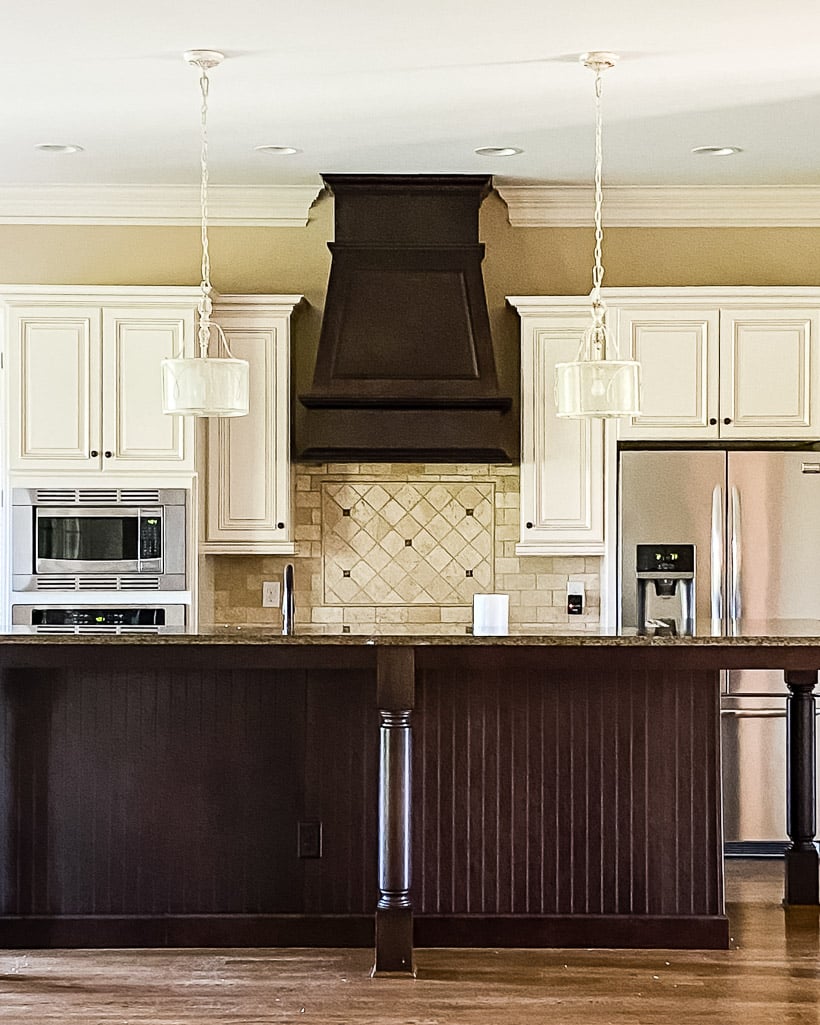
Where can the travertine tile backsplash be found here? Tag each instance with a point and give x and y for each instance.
(400, 548)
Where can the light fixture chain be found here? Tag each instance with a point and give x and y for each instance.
(597, 383)
(205, 303)
(598, 330)
(598, 272)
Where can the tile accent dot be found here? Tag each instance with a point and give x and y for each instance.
(408, 542)
(345, 572)
(345, 512)
(468, 573)
(469, 512)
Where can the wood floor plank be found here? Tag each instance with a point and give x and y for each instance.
(770, 976)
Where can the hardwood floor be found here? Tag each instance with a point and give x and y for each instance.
(771, 974)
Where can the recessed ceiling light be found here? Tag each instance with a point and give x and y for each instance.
(498, 151)
(278, 151)
(59, 147)
(717, 151)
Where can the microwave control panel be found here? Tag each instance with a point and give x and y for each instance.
(150, 537)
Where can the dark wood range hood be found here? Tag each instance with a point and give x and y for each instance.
(405, 369)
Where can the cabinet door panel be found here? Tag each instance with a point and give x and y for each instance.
(561, 459)
(248, 472)
(677, 349)
(135, 430)
(54, 396)
(242, 450)
(768, 360)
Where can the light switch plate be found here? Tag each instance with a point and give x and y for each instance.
(271, 589)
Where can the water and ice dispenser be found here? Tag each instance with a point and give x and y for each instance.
(665, 581)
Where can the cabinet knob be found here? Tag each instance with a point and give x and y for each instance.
(94, 453)
(727, 420)
(712, 420)
(280, 526)
(529, 526)
(108, 454)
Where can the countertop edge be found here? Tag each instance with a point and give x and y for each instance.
(261, 639)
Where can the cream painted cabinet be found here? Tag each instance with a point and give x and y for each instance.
(84, 382)
(248, 487)
(679, 357)
(769, 362)
(730, 371)
(562, 460)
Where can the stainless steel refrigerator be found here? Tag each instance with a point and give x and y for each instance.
(754, 518)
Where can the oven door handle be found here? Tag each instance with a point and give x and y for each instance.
(753, 713)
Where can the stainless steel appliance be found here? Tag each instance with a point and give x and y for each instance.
(754, 520)
(91, 619)
(67, 539)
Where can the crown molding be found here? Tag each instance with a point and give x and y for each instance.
(269, 206)
(720, 206)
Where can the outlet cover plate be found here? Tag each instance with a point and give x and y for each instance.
(309, 839)
(271, 590)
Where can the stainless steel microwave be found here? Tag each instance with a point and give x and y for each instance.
(98, 539)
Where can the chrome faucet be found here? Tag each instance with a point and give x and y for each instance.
(288, 601)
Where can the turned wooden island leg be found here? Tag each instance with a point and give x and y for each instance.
(394, 911)
(802, 861)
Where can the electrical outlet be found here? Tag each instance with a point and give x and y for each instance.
(309, 839)
(271, 589)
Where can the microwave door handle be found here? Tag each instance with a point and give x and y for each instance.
(716, 562)
(139, 540)
(735, 555)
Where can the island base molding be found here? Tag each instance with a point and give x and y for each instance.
(114, 931)
(674, 932)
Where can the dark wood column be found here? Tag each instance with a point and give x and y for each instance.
(394, 912)
(802, 861)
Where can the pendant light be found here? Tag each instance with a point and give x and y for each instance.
(205, 385)
(598, 384)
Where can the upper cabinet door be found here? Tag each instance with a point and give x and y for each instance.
(136, 434)
(562, 460)
(768, 369)
(54, 387)
(248, 485)
(677, 348)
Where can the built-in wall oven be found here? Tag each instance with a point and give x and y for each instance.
(98, 539)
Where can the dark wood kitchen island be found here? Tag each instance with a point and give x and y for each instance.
(256, 790)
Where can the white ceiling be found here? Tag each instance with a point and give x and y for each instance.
(360, 86)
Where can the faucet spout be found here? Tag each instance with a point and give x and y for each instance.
(288, 602)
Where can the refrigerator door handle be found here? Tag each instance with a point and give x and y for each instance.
(735, 549)
(716, 563)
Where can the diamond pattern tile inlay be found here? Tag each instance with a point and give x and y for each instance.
(365, 556)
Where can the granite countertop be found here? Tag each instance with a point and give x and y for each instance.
(770, 633)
